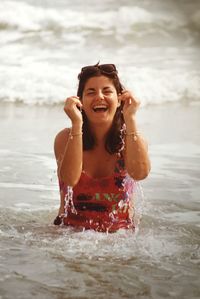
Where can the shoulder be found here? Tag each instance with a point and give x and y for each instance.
(61, 141)
(62, 135)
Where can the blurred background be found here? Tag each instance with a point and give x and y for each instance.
(44, 43)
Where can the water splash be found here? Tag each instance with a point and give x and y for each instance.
(138, 203)
(134, 202)
(69, 202)
(135, 198)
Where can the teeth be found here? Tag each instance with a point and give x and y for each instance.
(100, 107)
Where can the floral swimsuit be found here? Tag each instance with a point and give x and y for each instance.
(104, 204)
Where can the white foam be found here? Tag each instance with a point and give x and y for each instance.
(35, 71)
(27, 17)
(152, 86)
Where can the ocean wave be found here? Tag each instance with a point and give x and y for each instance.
(164, 86)
(42, 48)
(124, 19)
(152, 86)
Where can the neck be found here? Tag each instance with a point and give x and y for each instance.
(100, 131)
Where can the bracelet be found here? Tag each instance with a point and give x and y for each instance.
(134, 134)
(72, 135)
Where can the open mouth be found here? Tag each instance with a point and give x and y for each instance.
(100, 108)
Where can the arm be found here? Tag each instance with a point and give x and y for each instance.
(136, 150)
(68, 145)
(60, 146)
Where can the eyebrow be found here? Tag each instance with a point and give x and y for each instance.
(107, 87)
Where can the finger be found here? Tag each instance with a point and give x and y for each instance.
(127, 98)
(73, 101)
(132, 100)
(79, 104)
(124, 91)
(126, 94)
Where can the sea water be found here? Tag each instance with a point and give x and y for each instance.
(40, 260)
(44, 44)
(155, 45)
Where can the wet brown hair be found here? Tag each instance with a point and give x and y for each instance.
(115, 138)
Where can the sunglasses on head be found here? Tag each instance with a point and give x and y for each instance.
(105, 68)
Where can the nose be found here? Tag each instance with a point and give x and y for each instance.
(100, 95)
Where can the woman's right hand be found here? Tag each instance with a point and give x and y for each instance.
(73, 108)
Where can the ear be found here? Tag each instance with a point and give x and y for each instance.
(119, 102)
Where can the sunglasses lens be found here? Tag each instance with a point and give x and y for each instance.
(106, 68)
(89, 69)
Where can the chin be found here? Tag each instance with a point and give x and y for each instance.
(101, 120)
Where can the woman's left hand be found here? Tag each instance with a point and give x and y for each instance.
(130, 106)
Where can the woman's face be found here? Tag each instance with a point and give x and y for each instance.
(100, 100)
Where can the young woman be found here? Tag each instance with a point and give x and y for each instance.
(102, 155)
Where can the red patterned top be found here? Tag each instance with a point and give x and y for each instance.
(104, 204)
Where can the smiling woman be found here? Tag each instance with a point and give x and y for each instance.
(102, 155)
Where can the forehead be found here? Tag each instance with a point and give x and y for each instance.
(100, 81)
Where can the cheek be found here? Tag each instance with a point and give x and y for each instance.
(115, 102)
(86, 104)
(84, 101)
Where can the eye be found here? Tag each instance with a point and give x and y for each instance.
(90, 93)
(108, 91)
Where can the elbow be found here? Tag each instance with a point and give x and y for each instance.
(141, 172)
(139, 176)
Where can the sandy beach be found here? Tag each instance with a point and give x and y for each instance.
(166, 248)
